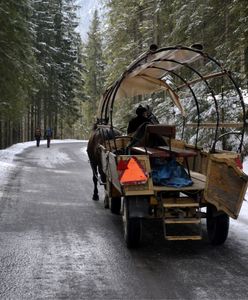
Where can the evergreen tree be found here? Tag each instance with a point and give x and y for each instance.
(132, 26)
(94, 75)
(127, 34)
(41, 60)
(17, 67)
(58, 46)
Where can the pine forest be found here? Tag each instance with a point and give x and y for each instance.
(50, 77)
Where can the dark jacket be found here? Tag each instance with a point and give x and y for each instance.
(37, 133)
(135, 123)
(48, 133)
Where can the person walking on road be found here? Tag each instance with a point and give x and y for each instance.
(48, 136)
(37, 136)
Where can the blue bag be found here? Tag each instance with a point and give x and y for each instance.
(48, 132)
(171, 173)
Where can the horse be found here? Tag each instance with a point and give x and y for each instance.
(100, 135)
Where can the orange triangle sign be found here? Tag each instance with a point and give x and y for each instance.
(133, 174)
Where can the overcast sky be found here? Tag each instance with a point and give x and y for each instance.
(87, 8)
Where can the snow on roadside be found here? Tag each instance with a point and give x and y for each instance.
(7, 164)
(7, 156)
(85, 155)
(242, 222)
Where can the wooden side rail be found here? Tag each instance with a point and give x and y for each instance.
(163, 151)
(166, 152)
(152, 152)
(162, 130)
(214, 125)
(198, 176)
(178, 152)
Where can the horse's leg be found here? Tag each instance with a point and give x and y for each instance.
(105, 182)
(95, 194)
(95, 180)
(102, 175)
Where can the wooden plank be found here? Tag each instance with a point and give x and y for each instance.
(162, 130)
(198, 185)
(180, 202)
(182, 238)
(182, 221)
(214, 125)
(111, 170)
(178, 152)
(226, 184)
(198, 176)
(178, 143)
(133, 192)
(152, 152)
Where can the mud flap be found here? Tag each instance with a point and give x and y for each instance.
(226, 184)
(138, 207)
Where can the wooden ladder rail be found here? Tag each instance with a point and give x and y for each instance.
(181, 203)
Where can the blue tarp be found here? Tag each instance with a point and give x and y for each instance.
(170, 173)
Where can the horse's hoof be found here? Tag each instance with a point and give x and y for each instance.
(95, 197)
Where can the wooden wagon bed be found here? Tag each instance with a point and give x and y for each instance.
(199, 180)
(199, 184)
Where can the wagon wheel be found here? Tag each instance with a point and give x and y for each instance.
(132, 227)
(115, 205)
(217, 225)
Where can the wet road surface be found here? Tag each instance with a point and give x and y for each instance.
(56, 243)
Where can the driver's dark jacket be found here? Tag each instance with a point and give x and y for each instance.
(134, 124)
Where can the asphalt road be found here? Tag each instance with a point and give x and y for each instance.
(56, 243)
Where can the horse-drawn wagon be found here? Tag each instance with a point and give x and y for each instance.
(182, 172)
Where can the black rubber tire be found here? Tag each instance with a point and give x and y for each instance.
(217, 226)
(132, 227)
(115, 205)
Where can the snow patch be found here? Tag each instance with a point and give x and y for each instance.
(53, 158)
(7, 157)
(7, 164)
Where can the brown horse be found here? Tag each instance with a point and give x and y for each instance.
(99, 135)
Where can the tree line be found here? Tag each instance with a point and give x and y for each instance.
(129, 27)
(50, 78)
(40, 68)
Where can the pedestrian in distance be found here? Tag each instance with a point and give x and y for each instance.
(48, 136)
(37, 136)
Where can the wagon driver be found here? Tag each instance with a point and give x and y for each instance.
(141, 118)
